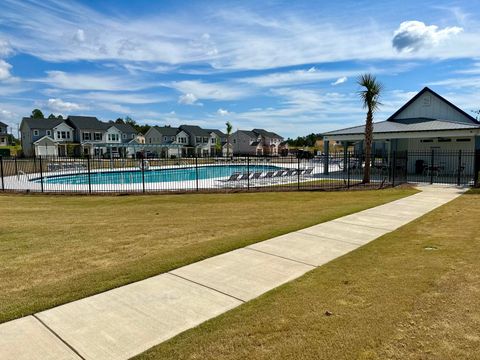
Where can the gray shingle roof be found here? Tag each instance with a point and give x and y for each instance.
(88, 122)
(194, 130)
(3, 124)
(249, 133)
(406, 125)
(218, 132)
(266, 133)
(41, 123)
(167, 130)
(125, 128)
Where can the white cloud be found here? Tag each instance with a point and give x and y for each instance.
(79, 36)
(340, 80)
(5, 48)
(69, 81)
(223, 112)
(62, 106)
(412, 36)
(187, 99)
(5, 70)
(199, 90)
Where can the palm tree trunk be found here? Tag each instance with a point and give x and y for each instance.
(228, 145)
(368, 146)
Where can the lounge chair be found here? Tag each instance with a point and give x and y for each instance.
(268, 174)
(256, 175)
(244, 176)
(233, 177)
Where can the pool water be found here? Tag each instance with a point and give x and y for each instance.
(151, 176)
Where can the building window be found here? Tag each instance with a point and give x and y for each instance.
(35, 133)
(113, 137)
(198, 139)
(97, 136)
(86, 136)
(49, 132)
(124, 136)
(213, 140)
(426, 140)
(444, 140)
(165, 138)
(172, 138)
(133, 136)
(463, 140)
(205, 140)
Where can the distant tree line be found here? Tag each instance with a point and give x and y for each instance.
(308, 140)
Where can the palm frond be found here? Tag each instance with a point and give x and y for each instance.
(371, 91)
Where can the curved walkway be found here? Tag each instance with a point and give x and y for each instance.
(126, 321)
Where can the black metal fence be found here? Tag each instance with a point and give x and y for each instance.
(335, 172)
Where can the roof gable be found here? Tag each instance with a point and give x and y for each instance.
(87, 122)
(428, 104)
(41, 123)
(194, 130)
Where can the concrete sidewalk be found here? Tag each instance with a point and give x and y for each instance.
(126, 321)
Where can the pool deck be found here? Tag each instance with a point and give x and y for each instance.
(128, 320)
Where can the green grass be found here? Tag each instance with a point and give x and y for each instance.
(394, 298)
(55, 249)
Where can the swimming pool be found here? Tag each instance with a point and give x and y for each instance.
(155, 175)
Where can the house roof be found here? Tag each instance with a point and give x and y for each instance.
(125, 128)
(41, 123)
(3, 124)
(406, 125)
(167, 130)
(194, 130)
(266, 133)
(424, 90)
(217, 132)
(46, 137)
(249, 133)
(88, 122)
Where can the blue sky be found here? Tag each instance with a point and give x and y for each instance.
(287, 66)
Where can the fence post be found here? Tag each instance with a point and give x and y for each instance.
(1, 173)
(89, 177)
(248, 172)
(348, 169)
(41, 172)
(394, 167)
(143, 174)
(459, 170)
(196, 172)
(16, 165)
(431, 167)
(476, 167)
(298, 173)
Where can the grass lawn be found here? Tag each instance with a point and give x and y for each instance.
(412, 294)
(55, 249)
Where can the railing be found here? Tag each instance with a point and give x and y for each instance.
(247, 173)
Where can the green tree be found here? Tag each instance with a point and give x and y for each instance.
(119, 121)
(51, 116)
(60, 117)
(369, 95)
(37, 114)
(229, 132)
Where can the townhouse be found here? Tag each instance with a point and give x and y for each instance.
(257, 142)
(3, 134)
(74, 136)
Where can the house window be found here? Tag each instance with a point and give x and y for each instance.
(172, 138)
(124, 136)
(444, 140)
(35, 133)
(198, 139)
(149, 140)
(213, 140)
(165, 138)
(426, 140)
(234, 141)
(113, 137)
(463, 140)
(133, 136)
(86, 136)
(97, 136)
(205, 140)
(49, 132)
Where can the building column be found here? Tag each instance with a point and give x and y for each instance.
(326, 150)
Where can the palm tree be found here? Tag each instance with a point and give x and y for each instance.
(229, 131)
(369, 95)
